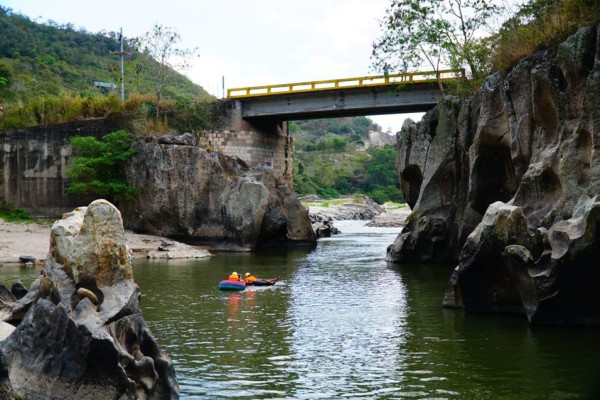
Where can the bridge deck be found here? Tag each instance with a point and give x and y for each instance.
(370, 95)
(406, 78)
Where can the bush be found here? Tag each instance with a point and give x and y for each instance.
(328, 193)
(98, 167)
(193, 115)
(541, 24)
(13, 214)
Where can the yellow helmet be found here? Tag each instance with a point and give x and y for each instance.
(234, 274)
(247, 274)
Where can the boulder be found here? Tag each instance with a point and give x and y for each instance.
(79, 330)
(170, 249)
(211, 199)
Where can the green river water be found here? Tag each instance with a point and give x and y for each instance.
(342, 324)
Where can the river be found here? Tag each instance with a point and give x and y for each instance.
(342, 323)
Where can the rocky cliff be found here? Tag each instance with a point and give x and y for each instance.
(506, 183)
(212, 199)
(80, 332)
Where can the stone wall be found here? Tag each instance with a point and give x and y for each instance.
(271, 151)
(264, 144)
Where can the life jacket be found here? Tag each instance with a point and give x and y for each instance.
(249, 279)
(233, 277)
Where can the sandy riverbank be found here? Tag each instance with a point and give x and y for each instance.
(33, 239)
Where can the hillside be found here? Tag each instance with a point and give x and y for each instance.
(40, 60)
(341, 156)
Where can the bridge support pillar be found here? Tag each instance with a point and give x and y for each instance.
(261, 144)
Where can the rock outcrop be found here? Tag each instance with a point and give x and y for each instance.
(506, 183)
(170, 249)
(211, 199)
(79, 330)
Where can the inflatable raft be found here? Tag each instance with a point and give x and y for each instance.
(263, 282)
(231, 285)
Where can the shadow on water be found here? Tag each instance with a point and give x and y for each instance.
(494, 356)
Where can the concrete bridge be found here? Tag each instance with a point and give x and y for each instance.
(370, 95)
(35, 160)
(255, 124)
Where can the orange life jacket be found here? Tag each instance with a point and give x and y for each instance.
(249, 279)
(234, 277)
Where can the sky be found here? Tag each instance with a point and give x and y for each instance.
(250, 43)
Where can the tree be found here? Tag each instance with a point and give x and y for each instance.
(437, 33)
(99, 166)
(160, 43)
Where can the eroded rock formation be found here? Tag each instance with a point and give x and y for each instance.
(213, 199)
(506, 183)
(80, 333)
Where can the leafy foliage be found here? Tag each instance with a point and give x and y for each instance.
(334, 134)
(435, 34)
(10, 213)
(99, 166)
(193, 115)
(330, 160)
(160, 44)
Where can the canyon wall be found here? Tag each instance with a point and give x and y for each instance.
(505, 183)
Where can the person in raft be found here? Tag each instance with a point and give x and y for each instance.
(250, 279)
(234, 276)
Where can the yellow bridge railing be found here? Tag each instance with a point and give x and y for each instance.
(332, 84)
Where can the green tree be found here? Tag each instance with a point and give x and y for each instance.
(98, 167)
(193, 115)
(160, 43)
(380, 169)
(437, 33)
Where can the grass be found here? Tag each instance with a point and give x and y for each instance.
(536, 29)
(9, 213)
(390, 205)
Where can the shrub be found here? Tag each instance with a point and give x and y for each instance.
(540, 24)
(13, 214)
(99, 166)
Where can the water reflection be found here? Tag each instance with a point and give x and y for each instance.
(343, 324)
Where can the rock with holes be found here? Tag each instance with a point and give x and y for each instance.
(79, 330)
(434, 182)
(526, 139)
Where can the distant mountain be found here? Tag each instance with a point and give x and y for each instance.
(51, 59)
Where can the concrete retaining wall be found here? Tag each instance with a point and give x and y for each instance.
(35, 160)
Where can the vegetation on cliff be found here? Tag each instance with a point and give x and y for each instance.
(540, 24)
(437, 34)
(98, 167)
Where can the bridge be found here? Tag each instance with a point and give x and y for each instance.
(369, 95)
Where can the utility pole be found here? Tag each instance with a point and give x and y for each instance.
(122, 70)
(121, 54)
